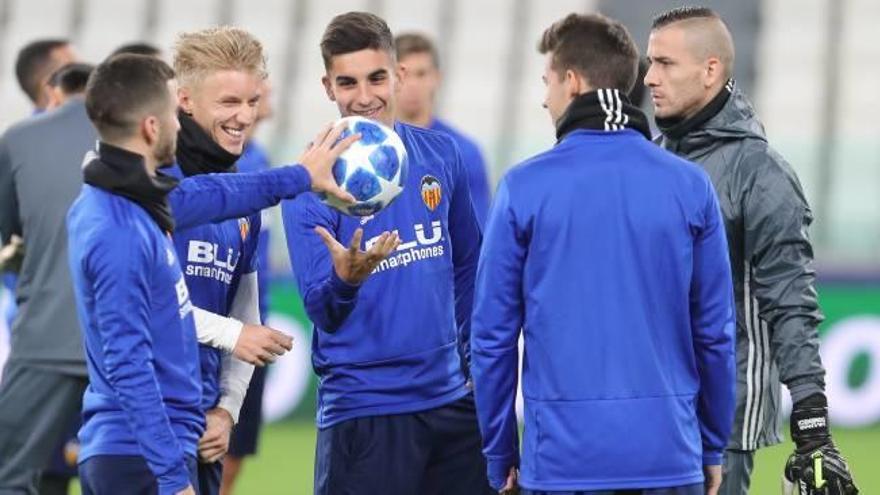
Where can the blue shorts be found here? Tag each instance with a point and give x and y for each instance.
(128, 474)
(696, 489)
(246, 433)
(428, 452)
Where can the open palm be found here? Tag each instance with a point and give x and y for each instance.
(352, 264)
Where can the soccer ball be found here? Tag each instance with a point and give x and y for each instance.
(373, 169)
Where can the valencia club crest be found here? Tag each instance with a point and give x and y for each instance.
(431, 192)
(244, 227)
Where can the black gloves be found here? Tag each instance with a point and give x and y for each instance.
(816, 467)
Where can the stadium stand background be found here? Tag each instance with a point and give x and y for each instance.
(812, 68)
(810, 65)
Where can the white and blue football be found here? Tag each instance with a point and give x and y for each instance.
(373, 169)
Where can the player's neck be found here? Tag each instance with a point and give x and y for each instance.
(151, 165)
(139, 148)
(422, 118)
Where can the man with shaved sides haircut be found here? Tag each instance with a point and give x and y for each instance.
(704, 117)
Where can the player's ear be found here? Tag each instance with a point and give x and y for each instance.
(401, 72)
(184, 99)
(150, 129)
(579, 84)
(328, 87)
(46, 90)
(572, 82)
(712, 71)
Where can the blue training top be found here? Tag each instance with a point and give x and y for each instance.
(144, 394)
(472, 158)
(610, 254)
(391, 345)
(214, 257)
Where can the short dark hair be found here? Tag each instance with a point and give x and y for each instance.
(682, 14)
(597, 47)
(137, 48)
(32, 63)
(406, 44)
(71, 78)
(355, 31)
(121, 89)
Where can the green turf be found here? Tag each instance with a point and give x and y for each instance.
(285, 462)
(284, 465)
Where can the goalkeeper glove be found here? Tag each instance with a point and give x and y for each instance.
(816, 467)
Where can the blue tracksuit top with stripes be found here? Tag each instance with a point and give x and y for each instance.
(391, 345)
(145, 391)
(610, 255)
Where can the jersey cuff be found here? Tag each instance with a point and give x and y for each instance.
(343, 290)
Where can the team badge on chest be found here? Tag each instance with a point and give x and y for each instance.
(244, 226)
(431, 192)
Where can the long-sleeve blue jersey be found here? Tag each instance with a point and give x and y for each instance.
(214, 257)
(610, 254)
(390, 346)
(141, 350)
(472, 159)
(144, 394)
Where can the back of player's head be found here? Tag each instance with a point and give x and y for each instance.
(71, 78)
(637, 93)
(353, 32)
(407, 44)
(598, 48)
(137, 48)
(708, 34)
(34, 63)
(200, 53)
(125, 89)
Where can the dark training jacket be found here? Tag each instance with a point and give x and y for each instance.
(766, 217)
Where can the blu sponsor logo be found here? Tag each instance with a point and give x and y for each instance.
(206, 259)
(423, 247)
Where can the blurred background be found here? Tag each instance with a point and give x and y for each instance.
(812, 68)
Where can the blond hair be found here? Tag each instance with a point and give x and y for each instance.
(199, 53)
